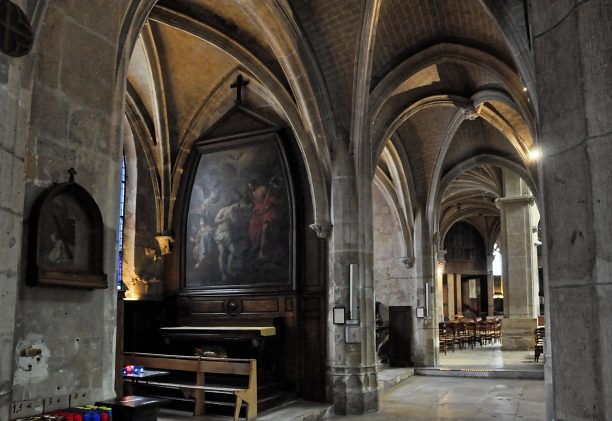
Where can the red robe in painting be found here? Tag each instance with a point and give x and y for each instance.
(264, 212)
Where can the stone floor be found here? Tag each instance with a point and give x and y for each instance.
(292, 411)
(423, 398)
(490, 356)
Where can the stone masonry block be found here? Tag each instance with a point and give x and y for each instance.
(10, 230)
(11, 182)
(568, 210)
(102, 17)
(544, 16)
(518, 334)
(49, 61)
(594, 19)
(8, 297)
(604, 298)
(53, 161)
(49, 115)
(599, 152)
(88, 65)
(574, 360)
(84, 127)
(563, 118)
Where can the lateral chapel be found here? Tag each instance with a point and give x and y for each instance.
(324, 188)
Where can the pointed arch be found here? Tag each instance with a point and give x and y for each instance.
(313, 164)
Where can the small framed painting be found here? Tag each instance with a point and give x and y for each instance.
(66, 239)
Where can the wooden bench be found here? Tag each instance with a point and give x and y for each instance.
(201, 366)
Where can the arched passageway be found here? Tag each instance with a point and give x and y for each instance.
(376, 115)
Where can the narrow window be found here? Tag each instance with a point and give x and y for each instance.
(120, 228)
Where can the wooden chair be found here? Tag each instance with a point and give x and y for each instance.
(482, 331)
(445, 338)
(497, 331)
(538, 338)
(473, 334)
(490, 331)
(460, 336)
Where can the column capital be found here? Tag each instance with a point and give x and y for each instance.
(503, 201)
(441, 256)
(323, 229)
(407, 261)
(165, 242)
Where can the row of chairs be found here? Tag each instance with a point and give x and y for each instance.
(464, 334)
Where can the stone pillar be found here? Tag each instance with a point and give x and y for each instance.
(440, 265)
(426, 337)
(14, 126)
(490, 285)
(459, 294)
(520, 296)
(573, 62)
(351, 364)
(450, 281)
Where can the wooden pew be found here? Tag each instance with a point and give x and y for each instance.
(201, 366)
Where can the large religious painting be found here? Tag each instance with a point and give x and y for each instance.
(239, 223)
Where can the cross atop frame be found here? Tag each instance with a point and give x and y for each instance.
(240, 82)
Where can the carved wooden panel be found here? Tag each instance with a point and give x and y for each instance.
(312, 345)
(208, 306)
(261, 305)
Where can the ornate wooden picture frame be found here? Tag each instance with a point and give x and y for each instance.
(66, 235)
(239, 223)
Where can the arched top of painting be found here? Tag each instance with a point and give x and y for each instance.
(238, 122)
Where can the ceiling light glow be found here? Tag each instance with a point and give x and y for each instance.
(535, 154)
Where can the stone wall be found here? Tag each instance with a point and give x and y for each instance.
(11, 217)
(392, 284)
(68, 90)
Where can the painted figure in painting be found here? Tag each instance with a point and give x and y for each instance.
(63, 226)
(263, 215)
(62, 251)
(204, 241)
(225, 220)
(203, 238)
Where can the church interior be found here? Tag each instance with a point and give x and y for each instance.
(221, 206)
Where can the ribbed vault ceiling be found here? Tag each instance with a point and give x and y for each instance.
(405, 27)
(436, 79)
(471, 198)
